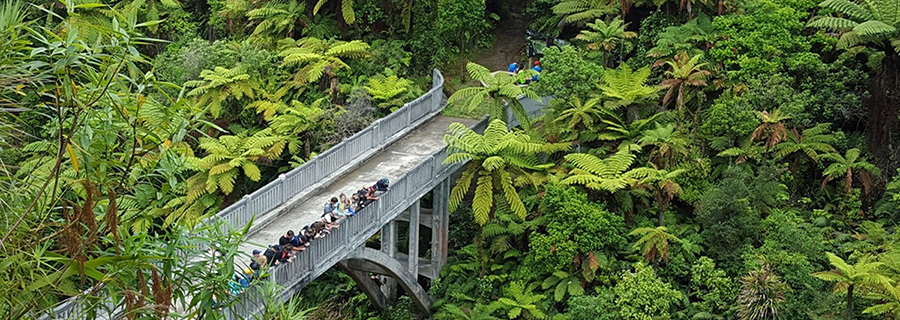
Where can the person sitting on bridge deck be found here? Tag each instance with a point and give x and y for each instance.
(296, 242)
(300, 241)
(317, 229)
(345, 208)
(281, 254)
(260, 259)
(329, 206)
(365, 196)
(382, 186)
(254, 267)
(250, 275)
(331, 219)
(242, 279)
(355, 200)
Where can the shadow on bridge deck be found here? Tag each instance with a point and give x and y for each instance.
(392, 162)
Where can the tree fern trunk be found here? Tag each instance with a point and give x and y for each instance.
(882, 105)
(850, 302)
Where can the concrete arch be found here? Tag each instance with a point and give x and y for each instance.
(364, 260)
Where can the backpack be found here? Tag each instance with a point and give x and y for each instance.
(296, 241)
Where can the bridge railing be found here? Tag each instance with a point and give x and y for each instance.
(261, 202)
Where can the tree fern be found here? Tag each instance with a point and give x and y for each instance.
(495, 158)
(347, 12)
(499, 91)
(277, 20)
(601, 174)
(581, 11)
(229, 155)
(875, 22)
(389, 92)
(219, 85)
(316, 57)
(627, 85)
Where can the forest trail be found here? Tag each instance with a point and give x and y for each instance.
(509, 41)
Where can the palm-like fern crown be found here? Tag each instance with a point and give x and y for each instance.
(666, 141)
(494, 156)
(317, 55)
(347, 11)
(872, 22)
(602, 174)
(605, 36)
(811, 142)
(515, 148)
(580, 115)
(220, 84)
(227, 154)
(654, 242)
(496, 88)
(864, 273)
(277, 19)
(688, 69)
(689, 37)
(580, 11)
(386, 88)
(626, 84)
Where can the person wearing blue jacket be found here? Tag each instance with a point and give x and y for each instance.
(536, 68)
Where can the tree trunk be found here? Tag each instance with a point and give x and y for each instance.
(661, 214)
(882, 104)
(850, 302)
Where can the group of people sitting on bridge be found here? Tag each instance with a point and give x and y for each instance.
(334, 210)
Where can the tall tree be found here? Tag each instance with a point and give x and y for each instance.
(684, 72)
(624, 87)
(499, 90)
(862, 275)
(296, 122)
(494, 158)
(605, 36)
(872, 23)
(228, 155)
(846, 166)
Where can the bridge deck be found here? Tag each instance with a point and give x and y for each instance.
(392, 162)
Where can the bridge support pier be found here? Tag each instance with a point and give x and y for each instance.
(440, 226)
(413, 257)
(389, 247)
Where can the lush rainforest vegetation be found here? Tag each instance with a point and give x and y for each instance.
(729, 159)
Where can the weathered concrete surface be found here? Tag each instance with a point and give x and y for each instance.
(392, 162)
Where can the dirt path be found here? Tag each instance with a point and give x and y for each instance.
(509, 41)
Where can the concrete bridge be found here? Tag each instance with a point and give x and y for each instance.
(407, 147)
